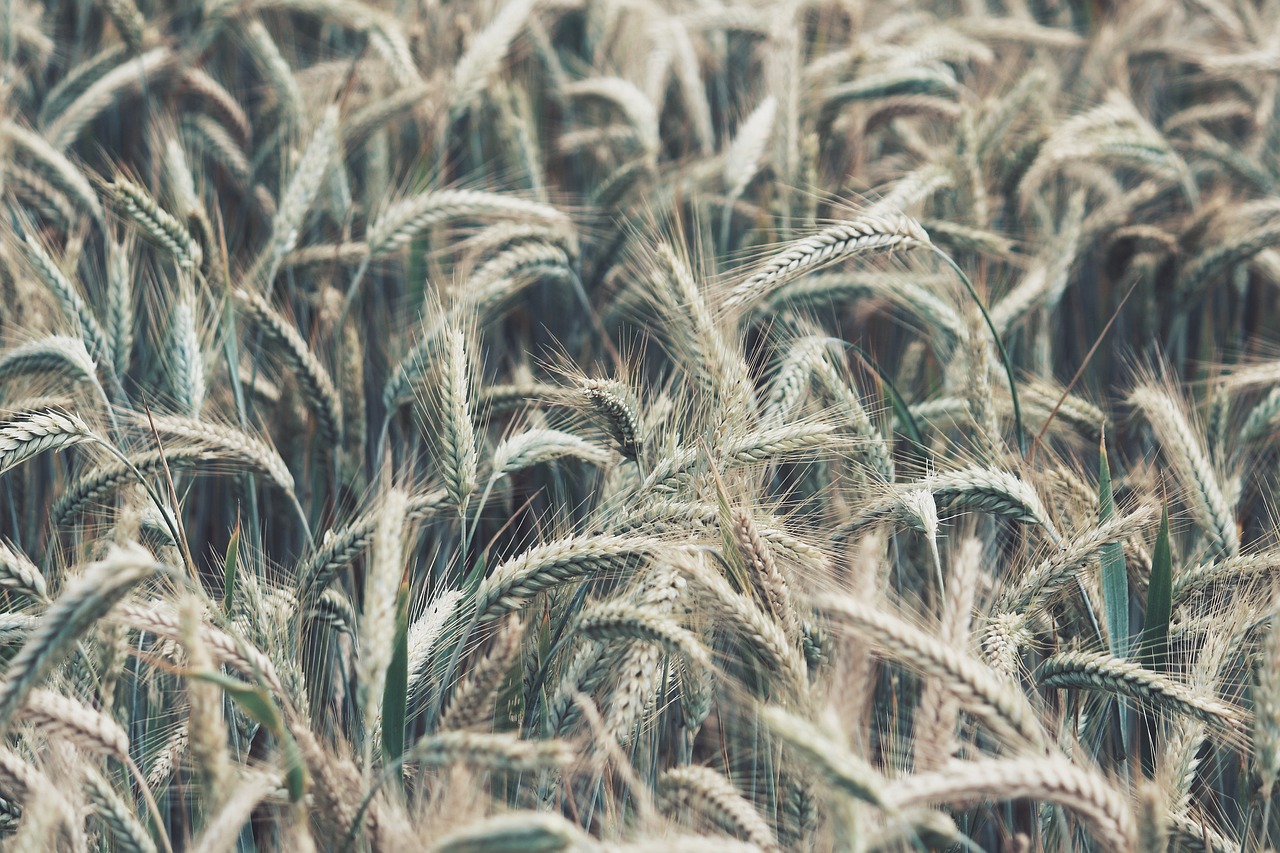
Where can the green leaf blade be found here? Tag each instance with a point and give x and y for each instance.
(396, 696)
(1155, 628)
(1115, 577)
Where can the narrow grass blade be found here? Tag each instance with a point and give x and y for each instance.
(229, 570)
(1115, 579)
(1155, 627)
(396, 694)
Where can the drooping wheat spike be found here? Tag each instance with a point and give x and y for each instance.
(57, 354)
(503, 276)
(500, 751)
(1185, 450)
(768, 580)
(255, 453)
(53, 166)
(626, 98)
(62, 717)
(743, 449)
(317, 385)
(612, 400)
(1244, 571)
(537, 446)
(618, 621)
(225, 648)
(33, 433)
(764, 639)
(127, 832)
(404, 221)
(768, 444)
(1050, 779)
(19, 574)
(207, 135)
(471, 705)
(106, 90)
(994, 491)
(1036, 588)
(864, 235)
(837, 766)
(157, 224)
(69, 298)
(341, 545)
(105, 480)
(1093, 671)
(1224, 255)
(458, 456)
(515, 581)
(334, 609)
(82, 603)
(706, 792)
(45, 199)
(978, 689)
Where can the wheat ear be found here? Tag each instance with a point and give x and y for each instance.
(84, 601)
(864, 235)
(1050, 779)
(317, 385)
(1092, 671)
(976, 687)
(706, 791)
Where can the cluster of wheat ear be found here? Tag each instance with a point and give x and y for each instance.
(598, 425)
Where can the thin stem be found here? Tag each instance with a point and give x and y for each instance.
(1004, 355)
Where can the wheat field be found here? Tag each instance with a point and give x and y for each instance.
(639, 425)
